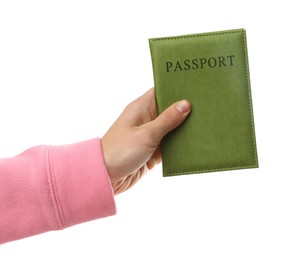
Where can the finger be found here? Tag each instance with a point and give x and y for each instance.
(127, 182)
(169, 119)
(155, 159)
(141, 110)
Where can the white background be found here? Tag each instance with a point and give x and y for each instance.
(67, 70)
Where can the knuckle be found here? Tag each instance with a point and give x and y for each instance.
(168, 117)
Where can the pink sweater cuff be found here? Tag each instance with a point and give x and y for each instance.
(79, 183)
(53, 187)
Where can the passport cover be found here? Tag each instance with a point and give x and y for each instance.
(211, 71)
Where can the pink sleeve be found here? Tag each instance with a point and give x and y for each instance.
(53, 187)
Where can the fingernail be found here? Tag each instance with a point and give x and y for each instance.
(183, 106)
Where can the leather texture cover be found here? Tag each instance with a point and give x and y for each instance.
(211, 71)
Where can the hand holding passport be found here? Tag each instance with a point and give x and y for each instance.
(211, 71)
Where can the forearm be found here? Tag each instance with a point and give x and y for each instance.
(53, 187)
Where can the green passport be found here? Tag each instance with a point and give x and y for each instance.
(211, 71)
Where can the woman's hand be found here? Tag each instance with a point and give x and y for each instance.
(131, 145)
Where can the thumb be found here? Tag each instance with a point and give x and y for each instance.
(169, 119)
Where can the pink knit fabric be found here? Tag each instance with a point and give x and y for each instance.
(53, 187)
